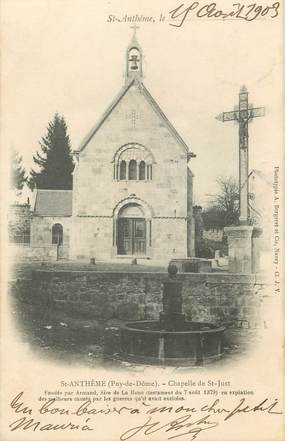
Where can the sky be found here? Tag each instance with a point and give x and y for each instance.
(64, 56)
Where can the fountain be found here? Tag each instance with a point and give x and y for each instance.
(171, 340)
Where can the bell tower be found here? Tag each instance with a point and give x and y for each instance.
(134, 59)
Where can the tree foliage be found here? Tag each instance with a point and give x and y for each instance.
(223, 209)
(17, 171)
(54, 161)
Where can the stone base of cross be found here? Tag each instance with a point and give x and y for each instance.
(240, 248)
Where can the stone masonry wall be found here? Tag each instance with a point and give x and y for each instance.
(28, 253)
(166, 193)
(231, 300)
(95, 238)
(41, 235)
(19, 225)
(97, 193)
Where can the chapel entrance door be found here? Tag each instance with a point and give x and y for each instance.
(131, 236)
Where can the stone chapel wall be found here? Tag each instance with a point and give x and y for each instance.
(97, 192)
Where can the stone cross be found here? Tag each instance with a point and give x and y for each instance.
(243, 114)
(133, 116)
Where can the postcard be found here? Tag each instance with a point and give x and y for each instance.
(142, 225)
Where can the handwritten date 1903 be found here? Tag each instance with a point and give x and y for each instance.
(211, 10)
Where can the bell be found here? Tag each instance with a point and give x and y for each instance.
(134, 62)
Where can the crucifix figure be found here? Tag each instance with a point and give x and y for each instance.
(243, 114)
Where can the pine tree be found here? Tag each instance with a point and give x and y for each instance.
(18, 173)
(55, 159)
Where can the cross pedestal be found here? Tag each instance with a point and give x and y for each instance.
(240, 248)
(256, 248)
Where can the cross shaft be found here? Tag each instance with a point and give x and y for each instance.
(243, 114)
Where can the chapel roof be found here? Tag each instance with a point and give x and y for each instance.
(134, 78)
(261, 174)
(53, 203)
(151, 101)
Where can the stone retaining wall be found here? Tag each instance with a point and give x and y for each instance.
(30, 253)
(19, 223)
(232, 300)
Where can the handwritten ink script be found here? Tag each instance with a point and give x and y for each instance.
(171, 421)
(241, 11)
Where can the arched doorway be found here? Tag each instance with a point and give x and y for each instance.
(131, 230)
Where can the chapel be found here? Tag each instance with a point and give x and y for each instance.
(132, 185)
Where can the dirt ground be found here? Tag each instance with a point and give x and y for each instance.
(23, 269)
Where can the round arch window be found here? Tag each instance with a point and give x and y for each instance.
(133, 162)
(57, 234)
(133, 170)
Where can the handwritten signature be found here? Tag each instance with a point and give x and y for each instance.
(192, 421)
(201, 424)
(184, 422)
(211, 11)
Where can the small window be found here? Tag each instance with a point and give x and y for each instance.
(123, 168)
(142, 171)
(133, 170)
(57, 234)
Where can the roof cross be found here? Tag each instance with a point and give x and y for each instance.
(135, 27)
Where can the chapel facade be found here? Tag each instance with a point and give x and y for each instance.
(132, 185)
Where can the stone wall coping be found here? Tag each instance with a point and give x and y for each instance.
(211, 278)
(97, 272)
(263, 279)
(239, 228)
(191, 259)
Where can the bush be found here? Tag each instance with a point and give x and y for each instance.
(206, 248)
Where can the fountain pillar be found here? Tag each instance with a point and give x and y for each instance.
(172, 318)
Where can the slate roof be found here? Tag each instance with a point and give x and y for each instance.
(115, 102)
(53, 203)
